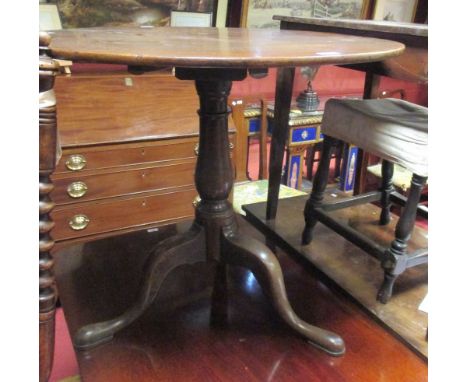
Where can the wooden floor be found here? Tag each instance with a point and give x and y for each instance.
(352, 269)
(173, 341)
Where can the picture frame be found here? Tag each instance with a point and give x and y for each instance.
(128, 13)
(49, 18)
(395, 10)
(259, 13)
(191, 19)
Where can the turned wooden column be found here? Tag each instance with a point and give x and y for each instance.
(214, 173)
(48, 68)
(318, 188)
(395, 259)
(214, 180)
(386, 188)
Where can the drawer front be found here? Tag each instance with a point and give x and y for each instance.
(107, 216)
(84, 187)
(80, 160)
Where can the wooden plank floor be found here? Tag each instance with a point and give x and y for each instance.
(351, 269)
(173, 341)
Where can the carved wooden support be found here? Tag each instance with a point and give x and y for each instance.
(48, 68)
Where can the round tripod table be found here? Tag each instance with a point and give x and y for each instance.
(214, 58)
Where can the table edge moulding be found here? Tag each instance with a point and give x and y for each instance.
(214, 58)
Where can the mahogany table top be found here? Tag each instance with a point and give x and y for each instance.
(217, 47)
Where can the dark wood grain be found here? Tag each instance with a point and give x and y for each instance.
(48, 68)
(411, 29)
(371, 88)
(284, 88)
(349, 268)
(135, 108)
(253, 345)
(412, 65)
(216, 47)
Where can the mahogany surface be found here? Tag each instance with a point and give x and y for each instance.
(372, 26)
(349, 268)
(412, 65)
(214, 58)
(216, 47)
(141, 128)
(174, 341)
(122, 107)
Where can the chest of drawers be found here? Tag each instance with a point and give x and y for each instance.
(129, 151)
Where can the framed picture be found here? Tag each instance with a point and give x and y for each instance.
(49, 18)
(145, 13)
(191, 19)
(395, 10)
(259, 13)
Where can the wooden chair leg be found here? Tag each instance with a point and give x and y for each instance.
(361, 172)
(263, 164)
(310, 156)
(318, 189)
(394, 261)
(283, 95)
(386, 189)
(247, 162)
(338, 158)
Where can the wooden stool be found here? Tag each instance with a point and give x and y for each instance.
(396, 131)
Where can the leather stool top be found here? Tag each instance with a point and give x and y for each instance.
(392, 129)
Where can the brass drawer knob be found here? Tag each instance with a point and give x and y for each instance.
(77, 189)
(75, 162)
(78, 222)
(196, 201)
(231, 146)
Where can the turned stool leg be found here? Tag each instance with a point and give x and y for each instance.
(386, 189)
(310, 156)
(318, 189)
(338, 158)
(394, 261)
